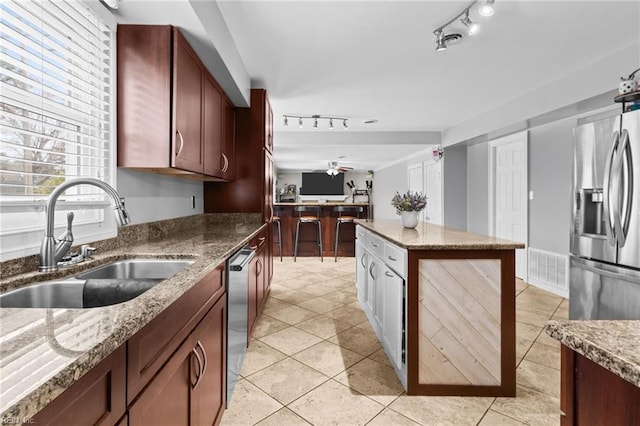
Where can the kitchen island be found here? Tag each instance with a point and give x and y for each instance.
(46, 352)
(307, 245)
(442, 303)
(600, 371)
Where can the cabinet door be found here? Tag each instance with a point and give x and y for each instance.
(268, 124)
(361, 271)
(229, 140)
(98, 398)
(260, 280)
(252, 304)
(378, 288)
(267, 210)
(187, 107)
(370, 293)
(166, 401)
(209, 391)
(392, 317)
(212, 130)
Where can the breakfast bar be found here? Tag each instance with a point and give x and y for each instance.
(442, 303)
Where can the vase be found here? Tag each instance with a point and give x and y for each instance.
(409, 219)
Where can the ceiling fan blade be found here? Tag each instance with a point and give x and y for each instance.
(344, 169)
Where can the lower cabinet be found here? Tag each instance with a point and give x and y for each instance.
(190, 388)
(361, 271)
(393, 327)
(259, 279)
(98, 398)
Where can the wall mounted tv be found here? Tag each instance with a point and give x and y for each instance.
(322, 184)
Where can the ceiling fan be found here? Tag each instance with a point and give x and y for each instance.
(334, 169)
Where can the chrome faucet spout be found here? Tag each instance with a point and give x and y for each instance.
(50, 251)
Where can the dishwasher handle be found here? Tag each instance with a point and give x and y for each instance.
(241, 260)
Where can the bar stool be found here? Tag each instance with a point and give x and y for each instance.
(276, 220)
(345, 215)
(308, 219)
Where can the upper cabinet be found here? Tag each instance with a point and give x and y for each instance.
(173, 117)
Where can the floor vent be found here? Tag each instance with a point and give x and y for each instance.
(549, 271)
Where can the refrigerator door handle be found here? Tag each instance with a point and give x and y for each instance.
(622, 224)
(606, 192)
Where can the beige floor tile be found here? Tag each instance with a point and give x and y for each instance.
(323, 326)
(249, 405)
(357, 340)
(348, 314)
(530, 406)
(562, 313)
(341, 296)
(287, 380)
(334, 404)
(538, 319)
(381, 356)
(493, 418)
(259, 356)
(293, 296)
(390, 418)
(442, 410)
(522, 347)
(372, 379)
(520, 286)
(533, 290)
(539, 377)
(527, 331)
(273, 304)
(547, 304)
(267, 325)
(319, 289)
(320, 305)
(293, 314)
(290, 340)
(544, 355)
(283, 417)
(328, 358)
(545, 339)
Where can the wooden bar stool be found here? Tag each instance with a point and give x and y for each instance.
(304, 216)
(346, 214)
(276, 220)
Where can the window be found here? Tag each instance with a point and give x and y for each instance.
(56, 118)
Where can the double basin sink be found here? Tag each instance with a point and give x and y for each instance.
(105, 285)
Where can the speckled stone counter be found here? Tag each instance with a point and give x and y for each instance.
(614, 345)
(44, 351)
(427, 236)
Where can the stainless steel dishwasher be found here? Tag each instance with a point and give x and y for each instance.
(237, 319)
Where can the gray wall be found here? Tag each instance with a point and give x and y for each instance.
(150, 197)
(550, 168)
(478, 188)
(454, 179)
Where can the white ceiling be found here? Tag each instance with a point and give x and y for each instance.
(376, 59)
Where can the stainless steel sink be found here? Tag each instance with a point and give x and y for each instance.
(109, 284)
(155, 269)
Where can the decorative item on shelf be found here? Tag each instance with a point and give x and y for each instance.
(629, 93)
(369, 174)
(437, 153)
(455, 35)
(315, 118)
(408, 205)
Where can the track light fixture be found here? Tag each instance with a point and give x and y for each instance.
(316, 118)
(441, 37)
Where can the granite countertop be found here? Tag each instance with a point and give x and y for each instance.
(427, 236)
(44, 351)
(328, 204)
(610, 344)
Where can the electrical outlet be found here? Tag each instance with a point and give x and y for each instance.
(531, 195)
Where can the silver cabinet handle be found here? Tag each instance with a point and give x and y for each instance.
(225, 165)
(393, 259)
(199, 376)
(204, 357)
(375, 245)
(362, 260)
(389, 274)
(181, 143)
(373, 264)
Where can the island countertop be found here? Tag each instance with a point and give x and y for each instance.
(427, 236)
(45, 351)
(610, 344)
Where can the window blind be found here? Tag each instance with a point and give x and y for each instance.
(56, 106)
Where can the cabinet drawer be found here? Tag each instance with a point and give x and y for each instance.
(396, 258)
(362, 234)
(375, 244)
(153, 345)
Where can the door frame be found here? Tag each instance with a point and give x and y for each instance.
(523, 138)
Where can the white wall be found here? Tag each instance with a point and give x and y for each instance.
(150, 197)
(478, 188)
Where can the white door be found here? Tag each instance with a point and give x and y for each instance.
(416, 181)
(433, 189)
(510, 194)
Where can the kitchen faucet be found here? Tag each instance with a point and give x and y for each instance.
(52, 251)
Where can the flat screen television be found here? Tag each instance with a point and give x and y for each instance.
(322, 184)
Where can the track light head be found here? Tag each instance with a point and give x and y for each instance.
(300, 122)
(344, 124)
(331, 123)
(440, 44)
(286, 120)
(487, 8)
(472, 27)
(315, 122)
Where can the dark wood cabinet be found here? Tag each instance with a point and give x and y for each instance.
(171, 117)
(259, 279)
(228, 143)
(592, 395)
(98, 398)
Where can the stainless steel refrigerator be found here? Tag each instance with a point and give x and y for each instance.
(604, 279)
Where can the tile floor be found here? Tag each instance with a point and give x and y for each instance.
(315, 360)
